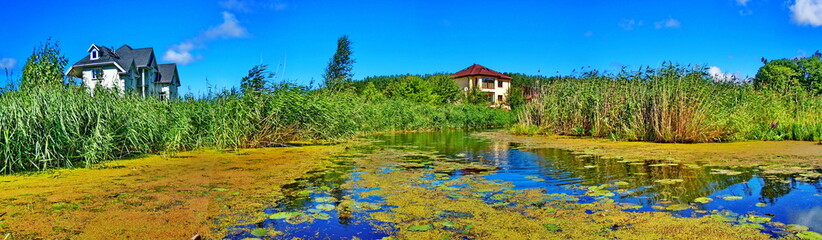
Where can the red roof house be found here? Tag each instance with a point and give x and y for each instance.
(491, 82)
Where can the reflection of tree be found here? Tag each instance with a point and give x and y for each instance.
(698, 182)
(447, 142)
(776, 186)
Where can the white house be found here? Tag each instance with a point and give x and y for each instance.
(129, 70)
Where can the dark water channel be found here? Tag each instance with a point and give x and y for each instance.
(660, 185)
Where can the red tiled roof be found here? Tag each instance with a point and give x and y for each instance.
(477, 69)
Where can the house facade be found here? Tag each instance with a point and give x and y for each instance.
(488, 81)
(129, 70)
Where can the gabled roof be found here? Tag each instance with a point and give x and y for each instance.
(123, 57)
(142, 56)
(168, 74)
(477, 69)
(105, 56)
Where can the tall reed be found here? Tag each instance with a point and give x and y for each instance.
(48, 128)
(670, 104)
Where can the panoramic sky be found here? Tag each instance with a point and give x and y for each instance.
(217, 41)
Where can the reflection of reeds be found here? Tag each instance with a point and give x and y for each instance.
(696, 182)
(670, 104)
(46, 128)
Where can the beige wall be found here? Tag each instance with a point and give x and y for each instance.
(472, 81)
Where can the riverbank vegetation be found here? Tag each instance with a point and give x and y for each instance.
(52, 125)
(677, 103)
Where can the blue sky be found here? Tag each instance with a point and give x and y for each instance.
(220, 40)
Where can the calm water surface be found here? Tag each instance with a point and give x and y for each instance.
(651, 186)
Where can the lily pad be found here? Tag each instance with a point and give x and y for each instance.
(322, 216)
(678, 207)
(260, 232)
(600, 193)
(752, 225)
(420, 228)
(761, 204)
(622, 184)
(325, 207)
(298, 219)
(703, 199)
(283, 215)
(531, 177)
(325, 199)
(809, 235)
(732, 198)
(589, 166)
(669, 181)
(796, 227)
(757, 219)
(500, 197)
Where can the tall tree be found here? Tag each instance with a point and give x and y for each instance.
(45, 67)
(255, 82)
(791, 75)
(338, 73)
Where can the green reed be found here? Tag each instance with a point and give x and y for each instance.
(53, 128)
(669, 104)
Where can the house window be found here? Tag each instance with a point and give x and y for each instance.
(97, 73)
(487, 83)
(94, 55)
(499, 84)
(499, 98)
(491, 99)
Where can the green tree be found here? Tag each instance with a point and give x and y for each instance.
(811, 70)
(338, 73)
(256, 81)
(444, 87)
(45, 67)
(413, 88)
(370, 92)
(515, 97)
(791, 75)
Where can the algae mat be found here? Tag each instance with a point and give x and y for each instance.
(154, 197)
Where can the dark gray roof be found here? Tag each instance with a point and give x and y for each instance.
(168, 72)
(106, 55)
(123, 56)
(142, 57)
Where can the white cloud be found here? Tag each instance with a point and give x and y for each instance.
(628, 24)
(720, 76)
(7, 63)
(230, 28)
(252, 5)
(743, 2)
(667, 23)
(180, 53)
(807, 12)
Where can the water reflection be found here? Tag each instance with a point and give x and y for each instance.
(652, 184)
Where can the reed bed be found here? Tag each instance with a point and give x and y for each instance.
(679, 104)
(56, 128)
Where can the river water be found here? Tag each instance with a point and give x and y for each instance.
(312, 208)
